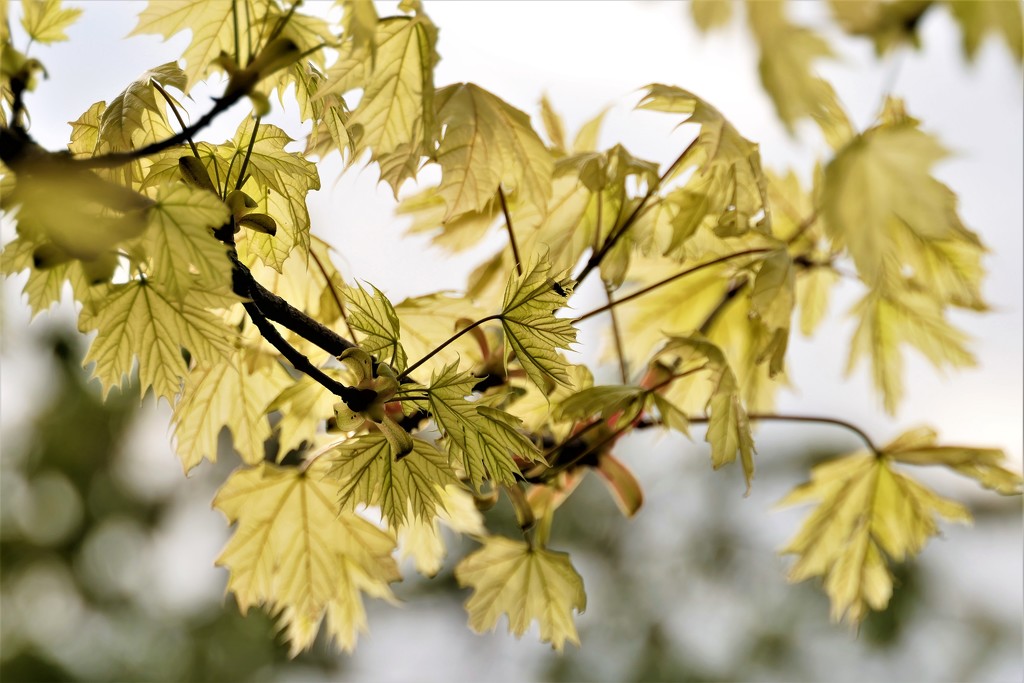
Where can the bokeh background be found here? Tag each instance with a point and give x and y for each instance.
(106, 550)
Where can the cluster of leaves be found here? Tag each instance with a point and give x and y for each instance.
(186, 256)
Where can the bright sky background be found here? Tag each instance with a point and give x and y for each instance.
(590, 55)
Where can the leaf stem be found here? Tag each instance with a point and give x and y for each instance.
(511, 232)
(177, 115)
(617, 336)
(672, 278)
(408, 371)
(334, 292)
(616, 234)
(807, 418)
(234, 22)
(248, 154)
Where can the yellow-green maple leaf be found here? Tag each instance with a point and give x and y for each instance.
(918, 447)
(293, 553)
(45, 20)
(279, 182)
(903, 317)
(303, 405)
(429, 320)
(510, 577)
(395, 115)
(488, 144)
(484, 440)
(869, 515)
(369, 472)
(728, 165)
(212, 25)
(180, 241)
(881, 201)
(787, 52)
(728, 424)
(978, 18)
(421, 539)
(43, 286)
(375, 318)
(139, 319)
(133, 109)
(85, 130)
(711, 14)
(532, 332)
(233, 393)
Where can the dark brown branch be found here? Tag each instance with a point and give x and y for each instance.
(280, 311)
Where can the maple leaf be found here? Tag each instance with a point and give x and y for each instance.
(710, 14)
(370, 473)
(133, 110)
(233, 393)
(139, 319)
(303, 405)
(85, 131)
(728, 425)
(374, 316)
(295, 554)
(985, 465)
(279, 182)
(728, 165)
(43, 287)
(421, 539)
(978, 19)
(869, 515)
(395, 115)
(880, 201)
(510, 577)
(212, 25)
(772, 299)
(532, 331)
(45, 20)
(484, 440)
(888, 321)
(180, 240)
(787, 51)
(488, 144)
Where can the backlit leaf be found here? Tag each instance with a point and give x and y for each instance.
(180, 240)
(293, 553)
(868, 516)
(233, 393)
(485, 441)
(369, 473)
(488, 143)
(131, 111)
(986, 465)
(889, 322)
(212, 26)
(526, 584)
(140, 320)
(787, 53)
(45, 20)
(371, 314)
(728, 165)
(532, 331)
(880, 199)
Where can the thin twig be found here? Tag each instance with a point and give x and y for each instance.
(334, 293)
(613, 237)
(177, 115)
(511, 232)
(672, 278)
(248, 154)
(408, 371)
(617, 336)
